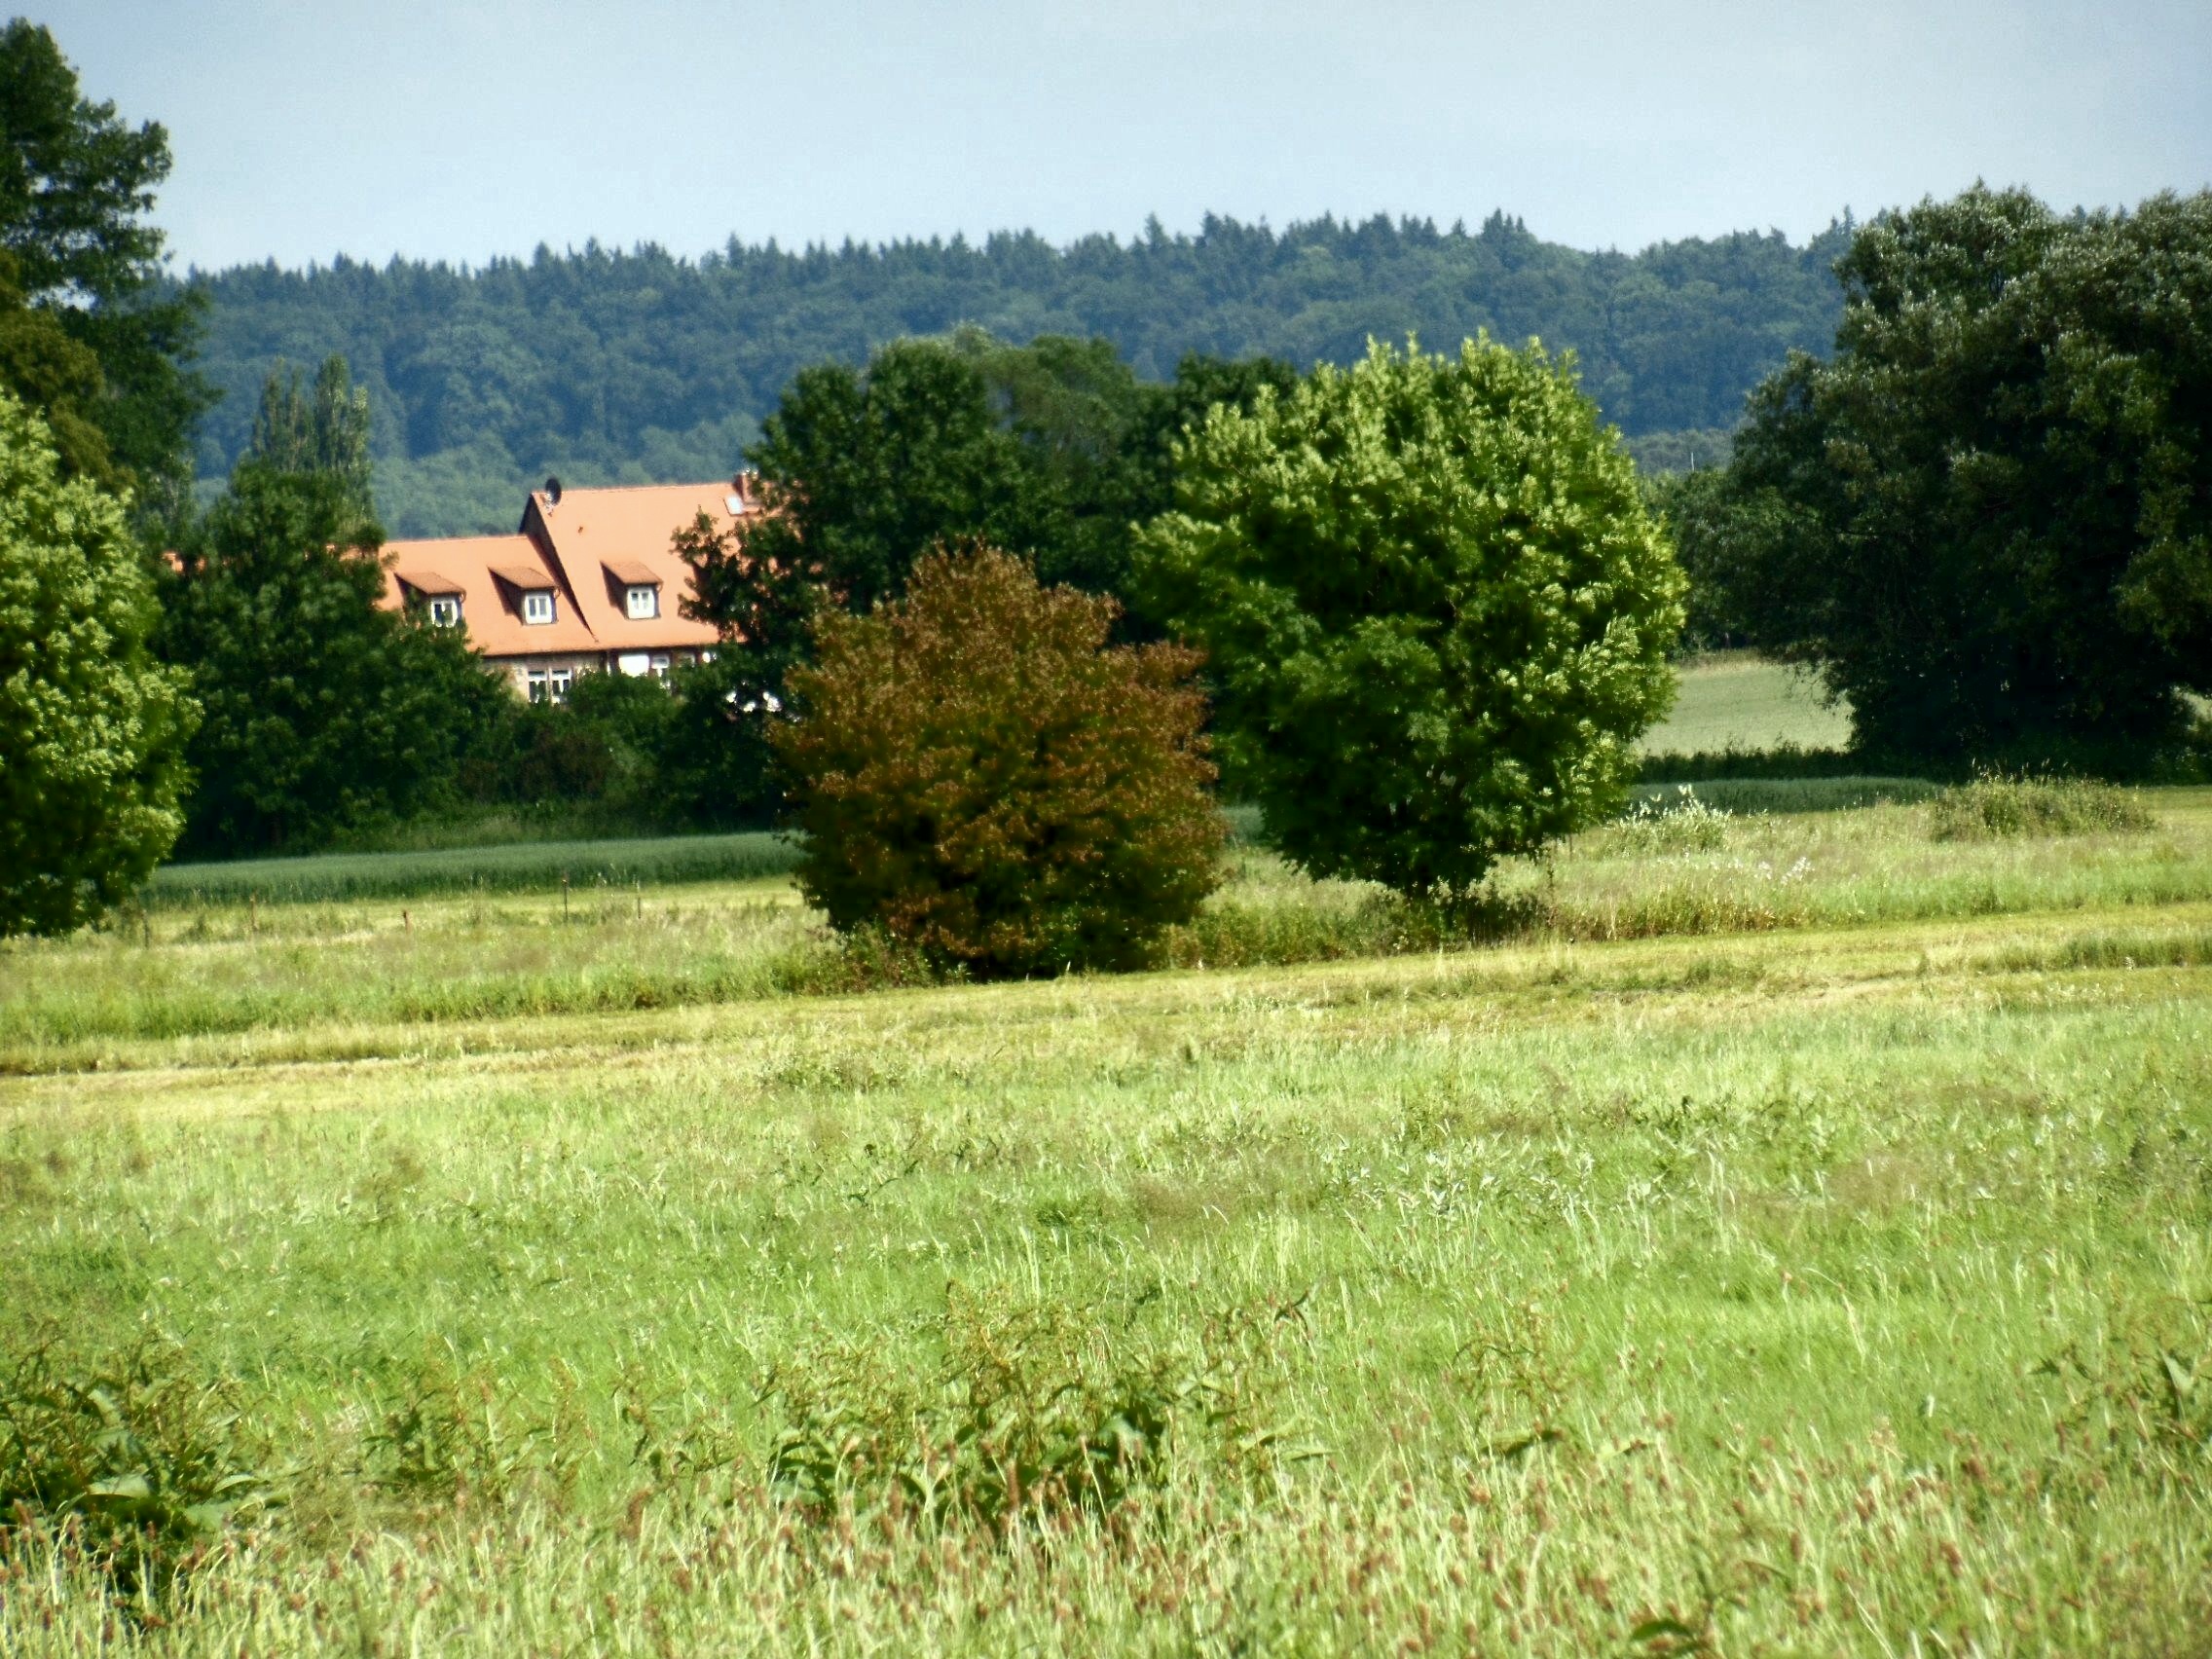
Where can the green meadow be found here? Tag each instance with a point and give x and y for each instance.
(1779, 1222)
(1736, 700)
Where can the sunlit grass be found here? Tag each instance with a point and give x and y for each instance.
(1706, 1258)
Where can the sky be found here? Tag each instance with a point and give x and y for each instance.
(478, 128)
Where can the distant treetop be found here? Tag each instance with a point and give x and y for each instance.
(611, 366)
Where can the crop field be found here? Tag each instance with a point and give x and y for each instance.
(1736, 700)
(1770, 1231)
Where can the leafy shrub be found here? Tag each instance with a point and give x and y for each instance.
(1032, 1412)
(142, 1459)
(981, 778)
(1995, 806)
(1437, 611)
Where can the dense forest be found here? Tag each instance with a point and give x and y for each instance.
(614, 367)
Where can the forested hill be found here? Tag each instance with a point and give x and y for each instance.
(638, 366)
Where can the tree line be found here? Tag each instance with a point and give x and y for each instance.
(608, 366)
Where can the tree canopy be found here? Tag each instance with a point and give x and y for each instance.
(1054, 450)
(91, 730)
(1987, 519)
(324, 712)
(89, 333)
(1435, 611)
(621, 367)
(979, 774)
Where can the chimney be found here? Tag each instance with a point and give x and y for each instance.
(552, 492)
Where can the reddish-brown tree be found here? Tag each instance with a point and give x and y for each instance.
(979, 775)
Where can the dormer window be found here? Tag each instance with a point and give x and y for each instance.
(444, 612)
(538, 605)
(643, 601)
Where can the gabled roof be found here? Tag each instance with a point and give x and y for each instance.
(590, 532)
(588, 546)
(491, 609)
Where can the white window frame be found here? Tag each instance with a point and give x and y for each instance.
(643, 601)
(444, 611)
(660, 665)
(538, 606)
(561, 679)
(534, 680)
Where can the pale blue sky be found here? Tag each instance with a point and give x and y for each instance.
(465, 130)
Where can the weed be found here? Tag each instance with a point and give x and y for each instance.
(1031, 1412)
(1681, 824)
(459, 1437)
(1997, 806)
(133, 1452)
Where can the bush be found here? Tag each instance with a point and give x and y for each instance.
(980, 777)
(1435, 608)
(1994, 806)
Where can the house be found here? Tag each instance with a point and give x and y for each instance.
(587, 584)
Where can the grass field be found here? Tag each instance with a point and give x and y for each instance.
(1776, 1234)
(1736, 700)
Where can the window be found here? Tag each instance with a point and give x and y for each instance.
(660, 667)
(446, 612)
(538, 606)
(537, 685)
(645, 603)
(561, 679)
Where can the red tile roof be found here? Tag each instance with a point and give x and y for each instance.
(491, 607)
(588, 531)
(588, 546)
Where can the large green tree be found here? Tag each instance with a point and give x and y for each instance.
(89, 333)
(1987, 520)
(324, 712)
(91, 728)
(1436, 613)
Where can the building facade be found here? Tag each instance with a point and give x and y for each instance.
(589, 583)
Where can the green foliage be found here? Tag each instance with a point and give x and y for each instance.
(1994, 805)
(475, 372)
(131, 1452)
(1695, 506)
(324, 712)
(978, 774)
(681, 752)
(1988, 520)
(1436, 612)
(87, 334)
(1781, 762)
(325, 430)
(1053, 449)
(1031, 1411)
(91, 730)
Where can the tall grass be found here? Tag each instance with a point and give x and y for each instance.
(1844, 1294)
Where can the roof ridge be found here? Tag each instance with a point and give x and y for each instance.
(567, 489)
